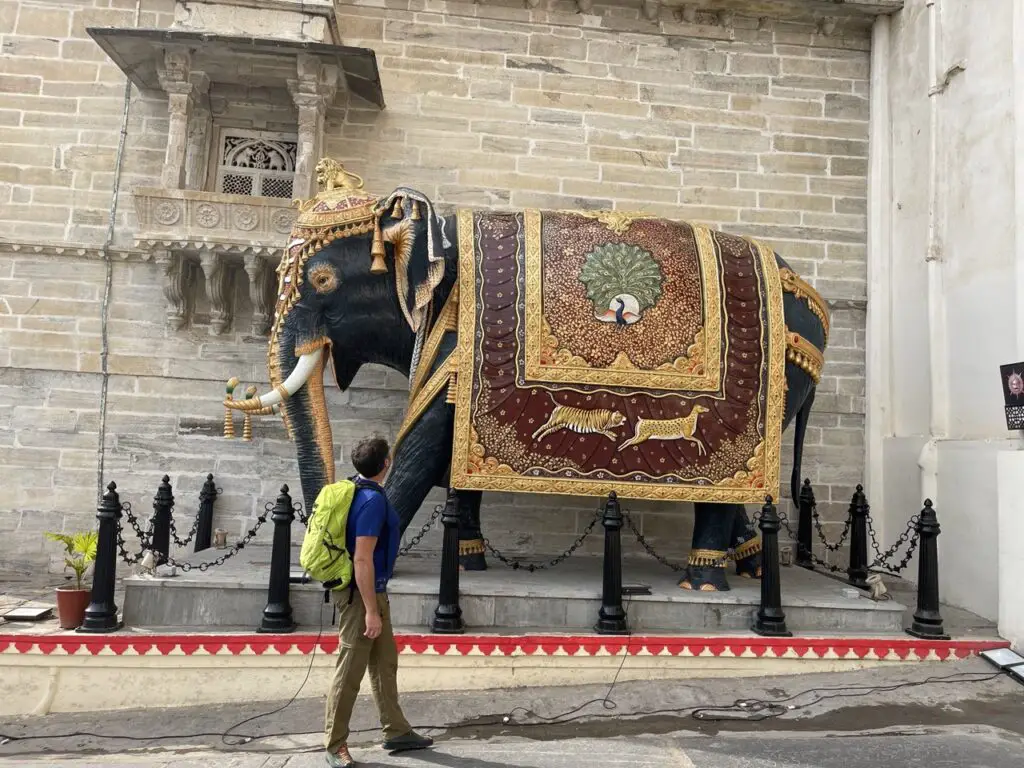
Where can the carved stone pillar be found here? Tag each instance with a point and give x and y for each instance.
(179, 276)
(312, 90)
(174, 78)
(200, 130)
(217, 272)
(261, 292)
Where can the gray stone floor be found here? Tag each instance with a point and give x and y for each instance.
(962, 716)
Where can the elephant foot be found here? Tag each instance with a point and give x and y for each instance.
(704, 578)
(748, 559)
(471, 555)
(705, 571)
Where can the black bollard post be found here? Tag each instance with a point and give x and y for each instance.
(804, 530)
(448, 614)
(163, 504)
(277, 616)
(770, 621)
(927, 622)
(858, 571)
(101, 615)
(611, 619)
(204, 528)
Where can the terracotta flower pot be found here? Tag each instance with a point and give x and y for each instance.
(71, 605)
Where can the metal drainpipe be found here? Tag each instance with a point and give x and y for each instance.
(938, 351)
(108, 281)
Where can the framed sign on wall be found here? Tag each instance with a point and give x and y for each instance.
(1012, 376)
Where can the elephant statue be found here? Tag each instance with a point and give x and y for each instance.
(368, 280)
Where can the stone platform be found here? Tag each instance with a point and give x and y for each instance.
(563, 599)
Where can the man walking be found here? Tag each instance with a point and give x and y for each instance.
(364, 623)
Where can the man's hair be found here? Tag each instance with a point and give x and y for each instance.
(369, 454)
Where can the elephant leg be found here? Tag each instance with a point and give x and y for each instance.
(471, 540)
(746, 545)
(705, 569)
(421, 461)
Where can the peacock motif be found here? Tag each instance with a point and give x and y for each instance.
(622, 281)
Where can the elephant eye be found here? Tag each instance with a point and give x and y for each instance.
(323, 278)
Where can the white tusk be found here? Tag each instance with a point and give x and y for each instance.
(303, 370)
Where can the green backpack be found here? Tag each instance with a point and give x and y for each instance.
(323, 555)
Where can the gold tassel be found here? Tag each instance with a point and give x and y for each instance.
(229, 424)
(250, 393)
(377, 265)
(415, 210)
(396, 211)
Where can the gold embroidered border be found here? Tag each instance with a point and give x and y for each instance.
(421, 394)
(421, 400)
(707, 558)
(464, 434)
(471, 547)
(796, 285)
(570, 369)
(805, 355)
(747, 548)
(447, 320)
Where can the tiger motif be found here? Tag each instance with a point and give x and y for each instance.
(598, 421)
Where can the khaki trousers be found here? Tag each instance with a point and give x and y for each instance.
(356, 652)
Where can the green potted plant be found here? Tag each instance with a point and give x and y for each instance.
(80, 551)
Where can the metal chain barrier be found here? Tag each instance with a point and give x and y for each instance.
(847, 527)
(784, 520)
(191, 533)
(884, 559)
(422, 532)
(238, 546)
(647, 546)
(910, 536)
(145, 539)
(515, 565)
(126, 508)
(300, 513)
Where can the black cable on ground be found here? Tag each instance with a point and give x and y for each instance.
(309, 669)
(740, 706)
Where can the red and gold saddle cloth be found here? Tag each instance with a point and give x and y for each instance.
(608, 351)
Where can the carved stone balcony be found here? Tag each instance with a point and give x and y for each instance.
(190, 219)
(220, 235)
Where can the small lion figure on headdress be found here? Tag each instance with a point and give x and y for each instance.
(330, 174)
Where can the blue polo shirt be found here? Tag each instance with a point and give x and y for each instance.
(371, 514)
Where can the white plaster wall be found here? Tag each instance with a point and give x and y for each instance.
(1010, 475)
(977, 236)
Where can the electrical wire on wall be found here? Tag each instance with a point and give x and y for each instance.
(108, 242)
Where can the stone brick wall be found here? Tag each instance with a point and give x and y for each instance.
(758, 127)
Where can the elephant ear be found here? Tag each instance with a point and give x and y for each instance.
(416, 232)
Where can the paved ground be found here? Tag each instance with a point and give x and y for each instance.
(952, 748)
(911, 716)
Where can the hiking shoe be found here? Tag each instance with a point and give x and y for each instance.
(340, 758)
(408, 741)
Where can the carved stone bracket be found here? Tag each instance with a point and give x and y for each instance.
(180, 274)
(261, 291)
(219, 289)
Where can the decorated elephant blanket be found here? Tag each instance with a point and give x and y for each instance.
(612, 352)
